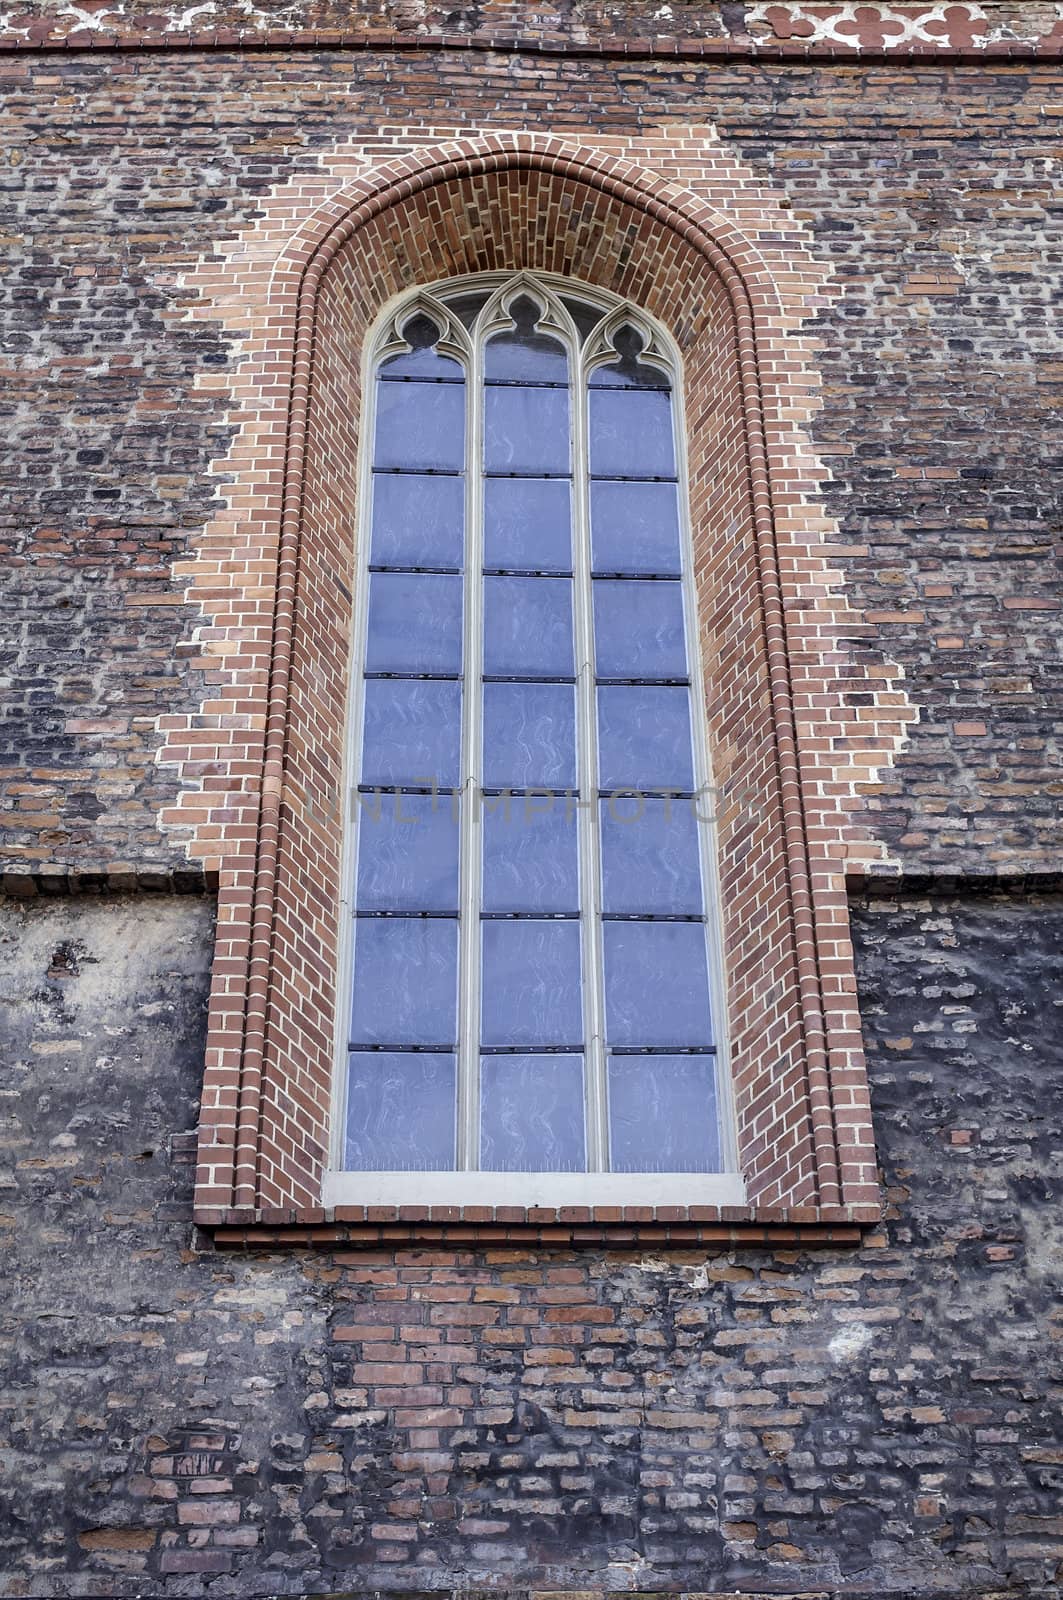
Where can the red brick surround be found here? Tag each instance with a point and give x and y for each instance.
(770, 625)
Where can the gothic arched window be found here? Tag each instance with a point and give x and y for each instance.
(532, 966)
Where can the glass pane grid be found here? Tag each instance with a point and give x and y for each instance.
(535, 1083)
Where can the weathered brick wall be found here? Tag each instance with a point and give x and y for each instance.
(928, 192)
(878, 1421)
(175, 1420)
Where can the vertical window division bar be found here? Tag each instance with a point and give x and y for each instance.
(469, 985)
(589, 839)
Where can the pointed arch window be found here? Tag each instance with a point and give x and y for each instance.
(532, 964)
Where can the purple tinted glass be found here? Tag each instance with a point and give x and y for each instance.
(635, 527)
(663, 1115)
(650, 860)
(525, 358)
(407, 852)
(644, 737)
(424, 362)
(526, 430)
(405, 980)
(400, 1112)
(656, 984)
(638, 629)
(528, 524)
(531, 1117)
(414, 622)
(420, 425)
(528, 627)
(418, 520)
(531, 984)
(412, 732)
(529, 736)
(530, 858)
(631, 433)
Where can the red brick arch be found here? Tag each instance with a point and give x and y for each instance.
(804, 1139)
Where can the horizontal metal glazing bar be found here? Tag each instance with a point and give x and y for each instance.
(636, 577)
(530, 915)
(398, 377)
(524, 677)
(646, 794)
(650, 916)
(401, 1049)
(621, 683)
(530, 1050)
(564, 477)
(641, 388)
(625, 477)
(661, 1050)
(407, 788)
(522, 383)
(418, 472)
(449, 572)
(523, 572)
(413, 677)
(416, 916)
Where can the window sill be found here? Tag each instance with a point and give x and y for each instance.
(717, 1227)
(533, 1189)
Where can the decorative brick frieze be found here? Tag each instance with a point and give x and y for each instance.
(789, 30)
(678, 225)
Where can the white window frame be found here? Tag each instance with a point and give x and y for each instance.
(467, 1185)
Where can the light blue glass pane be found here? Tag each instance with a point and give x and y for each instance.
(635, 527)
(529, 736)
(528, 626)
(520, 357)
(531, 1117)
(418, 521)
(407, 852)
(629, 374)
(530, 860)
(405, 980)
(650, 860)
(420, 425)
(644, 737)
(663, 1115)
(414, 622)
(656, 984)
(423, 363)
(400, 1112)
(528, 524)
(531, 984)
(631, 433)
(526, 430)
(412, 732)
(638, 629)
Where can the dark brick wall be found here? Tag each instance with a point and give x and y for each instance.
(177, 1421)
(929, 190)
